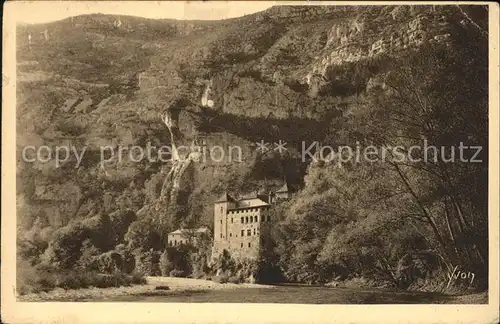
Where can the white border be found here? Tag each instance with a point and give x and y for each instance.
(18, 312)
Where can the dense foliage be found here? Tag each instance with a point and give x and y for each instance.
(402, 221)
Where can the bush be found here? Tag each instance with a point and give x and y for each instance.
(138, 279)
(177, 273)
(34, 279)
(114, 280)
(235, 279)
(197, 275)
(110, 262)
(147, 262)
(166, 265)
(45, 278)
(223, 278)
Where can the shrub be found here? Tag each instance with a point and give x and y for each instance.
(110, 262)
(223, 278)
(73, 280)
(128, 260)
(46, 278)
(121, 221)
(165, 264)
(34, 279)
(235, 279)
(137, 279)
(88, 259)
(177, 273)
(147, 263)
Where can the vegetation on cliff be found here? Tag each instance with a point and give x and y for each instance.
(334, 75)
(403, 222)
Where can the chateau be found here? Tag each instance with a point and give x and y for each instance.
(238, 222)
(186, 236)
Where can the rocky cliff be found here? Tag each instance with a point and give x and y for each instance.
(285, 73)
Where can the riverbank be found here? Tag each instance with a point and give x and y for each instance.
(204, 291)
(155, 286)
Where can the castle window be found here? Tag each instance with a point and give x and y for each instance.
(230, 234)
(251, 219)
(222, 209)
(249, 245)
(249, 232)
(241, 244)
(242, 220)
(175, 242)
(231, 220)
(268, 218)
(256, 219)
(246, 219)
(221, 221)
(242, 233)
(220, 235)
(254, 231)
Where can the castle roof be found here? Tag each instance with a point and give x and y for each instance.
(252, 195)
(250, 202)
(225, 198)
(190, 230)
(283, 189)
(246, 201)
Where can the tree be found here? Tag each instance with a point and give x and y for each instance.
(399, 219)
(143, 234)
(121, 220)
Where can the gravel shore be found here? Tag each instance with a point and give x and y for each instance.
(175, 285)
(178, 286)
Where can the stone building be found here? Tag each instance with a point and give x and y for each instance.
(238, 222)
(186, 236)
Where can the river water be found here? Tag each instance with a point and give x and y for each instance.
(293, 294)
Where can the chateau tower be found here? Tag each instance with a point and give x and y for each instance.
(221, 207)
(237, 225)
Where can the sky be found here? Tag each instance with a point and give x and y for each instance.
(47, 11)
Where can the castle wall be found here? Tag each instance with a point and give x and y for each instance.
(239, 230)
(175, 239)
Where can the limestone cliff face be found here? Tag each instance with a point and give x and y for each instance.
(358, 38)
(286, 63)
(276, 62)
(200, 166)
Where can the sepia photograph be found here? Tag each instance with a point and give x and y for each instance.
(251, 153)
